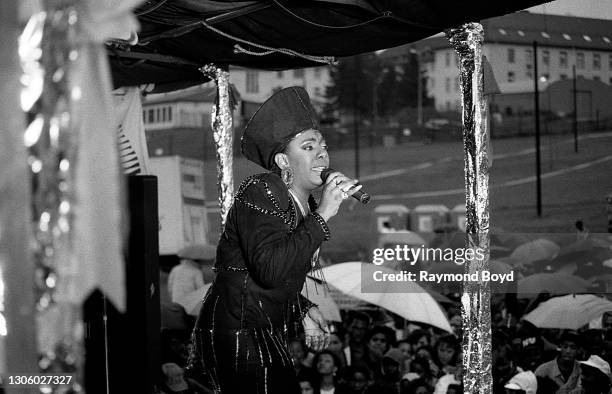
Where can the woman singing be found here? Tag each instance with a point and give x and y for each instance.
(270, 241)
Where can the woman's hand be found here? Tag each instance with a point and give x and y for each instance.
(316, 330)
(337, 188)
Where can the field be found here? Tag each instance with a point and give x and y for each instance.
(574, 185)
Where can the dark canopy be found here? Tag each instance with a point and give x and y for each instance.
(179, 36)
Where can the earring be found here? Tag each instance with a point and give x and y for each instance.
(287, 176)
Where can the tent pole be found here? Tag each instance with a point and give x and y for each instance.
(476, 309)
(18, 343)
(223, 134)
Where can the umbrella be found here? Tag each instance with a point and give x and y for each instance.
(406, 299)
(401, 238)
(315, 292)
(555, 283)
(193, 301)
(539, 249)
(569, 312)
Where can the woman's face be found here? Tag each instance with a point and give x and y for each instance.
(445, 353)
(325, 365)
(297, 352)
(358, 381)
(306, 387)
(307, 156)
(423, 341)
(335, 344)
(378, 343)
(406, 349)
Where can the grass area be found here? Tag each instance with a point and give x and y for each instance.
(572, 193)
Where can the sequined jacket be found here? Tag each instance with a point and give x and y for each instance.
(263, 257)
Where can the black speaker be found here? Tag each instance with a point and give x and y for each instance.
(123, 351)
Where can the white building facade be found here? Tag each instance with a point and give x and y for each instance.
(562, 43)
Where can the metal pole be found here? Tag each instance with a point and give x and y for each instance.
(537, 129)
(356, 134)
(575, 120)
(419, 90)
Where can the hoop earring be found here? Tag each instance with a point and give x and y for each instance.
(287, 176)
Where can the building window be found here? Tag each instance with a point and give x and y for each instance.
(563, 76)
(528, 57)
(252, 82)
(279, 74)
(151, 116)
(596, 61)
(529, 73)
(447, 85)
(563, 59)
(510, 76)
(169, 114)
(510, 55)
(580, 60)
(164, 112)
(447, 57)
(596, 78)
(546, 57)
(317, 72)
(299, 73)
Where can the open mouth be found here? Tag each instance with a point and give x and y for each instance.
(319, 169)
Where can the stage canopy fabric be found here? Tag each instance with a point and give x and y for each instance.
(179, 36)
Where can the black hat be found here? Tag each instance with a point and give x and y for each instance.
(284, 115)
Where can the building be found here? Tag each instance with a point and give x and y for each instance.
(564, 42)
(255, 86)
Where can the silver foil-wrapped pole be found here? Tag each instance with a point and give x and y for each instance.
(476, 309)
(223, 135)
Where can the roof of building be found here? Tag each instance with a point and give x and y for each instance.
(523, 28)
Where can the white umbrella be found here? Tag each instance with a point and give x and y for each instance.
(193, 301)
(539, 249)
(406, 299)
(315, 292)
(569, 312)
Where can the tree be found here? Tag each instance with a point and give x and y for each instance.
(352, 83)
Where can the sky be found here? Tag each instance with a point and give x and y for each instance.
(601, 9)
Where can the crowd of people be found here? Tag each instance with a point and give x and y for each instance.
(368, 354)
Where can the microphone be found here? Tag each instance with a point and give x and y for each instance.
(359, 195)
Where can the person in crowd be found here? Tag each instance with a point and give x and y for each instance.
(445, 353)
(194, 270)
(564, 370)
(450, 381)
(357, 379)
(418, 386)
(174, 382)
(420, 369)
(306, 385)
(325, 364)
(522, 383)
(379, 340)
(270, 241)
(336, 344)
(298, 353)
(358, 327)
(419, 338)
(595, 376)
(456, 325)
(406, 349)
(388, 381)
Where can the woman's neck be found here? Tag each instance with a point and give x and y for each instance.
(302, 195)
(327, 381)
